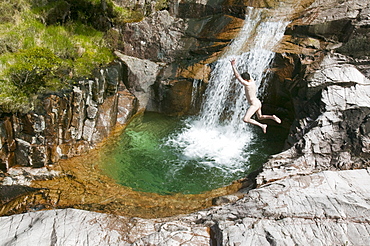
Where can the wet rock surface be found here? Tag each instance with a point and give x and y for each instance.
(326, 208)
(316, 192)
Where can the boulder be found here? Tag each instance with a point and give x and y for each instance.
(139, 76)
(157, 37)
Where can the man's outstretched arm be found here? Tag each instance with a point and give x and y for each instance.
(236, 73)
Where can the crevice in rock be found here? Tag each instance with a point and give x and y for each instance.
(215, 235)
(270, 238)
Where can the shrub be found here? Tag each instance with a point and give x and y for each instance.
(32, 68)
(124, 15)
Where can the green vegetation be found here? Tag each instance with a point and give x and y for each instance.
(40, 54)
(33, 68)
(46, 45)
(128, 15)
(10, 9)
(161, 4)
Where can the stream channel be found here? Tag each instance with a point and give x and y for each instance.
(167, 155)
(161, 166)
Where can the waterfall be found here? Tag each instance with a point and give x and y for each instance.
(194, 92)
(218, 136)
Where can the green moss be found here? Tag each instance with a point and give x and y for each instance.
(126, 15)
(12, 98)
(161, 4)
(58, 39)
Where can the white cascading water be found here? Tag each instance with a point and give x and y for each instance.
(218, 136)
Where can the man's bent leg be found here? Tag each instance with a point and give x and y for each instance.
(248, 118)
(260, 116)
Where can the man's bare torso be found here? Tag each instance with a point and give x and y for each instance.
(250, 89)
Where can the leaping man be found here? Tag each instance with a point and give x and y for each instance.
(255, 104)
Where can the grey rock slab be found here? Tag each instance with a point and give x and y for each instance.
(335, 69)
(58, 227)
(326, 208)
(294, 231)
(78, 227)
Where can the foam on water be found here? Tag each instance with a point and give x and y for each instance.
(212, 145)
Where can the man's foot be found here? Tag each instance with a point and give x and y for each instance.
(276, 119)
(264, 128)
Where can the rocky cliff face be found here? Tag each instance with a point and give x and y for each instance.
(323, 55)
(305, 195)
(68, 123)
(182, 43)
(326, 78)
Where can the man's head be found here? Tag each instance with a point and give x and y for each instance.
(245, 76)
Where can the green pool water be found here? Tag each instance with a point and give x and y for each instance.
(142, 159)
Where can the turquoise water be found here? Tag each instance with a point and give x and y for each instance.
(143, 159)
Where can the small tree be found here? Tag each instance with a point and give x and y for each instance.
(33, 68)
